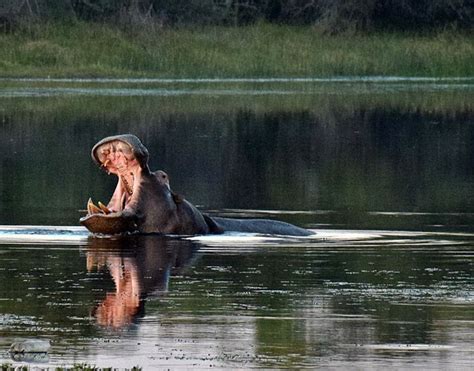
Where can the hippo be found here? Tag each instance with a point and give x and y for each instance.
(143, 201)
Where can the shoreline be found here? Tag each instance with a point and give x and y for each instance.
(335, 79)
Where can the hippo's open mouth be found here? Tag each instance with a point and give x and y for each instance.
(116, 157)
(127, 158)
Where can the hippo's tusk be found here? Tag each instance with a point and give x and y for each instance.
(92, 209)
(104, 208)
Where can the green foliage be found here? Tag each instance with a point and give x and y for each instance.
(262, 50)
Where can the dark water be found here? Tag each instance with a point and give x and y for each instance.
(382, 170)
(343, 299)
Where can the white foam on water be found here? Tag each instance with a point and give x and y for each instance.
(246, 239)
(77, 235)
(408, 347)
(232, 238)
(33, 234)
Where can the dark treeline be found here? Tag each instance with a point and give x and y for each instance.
(330, 16)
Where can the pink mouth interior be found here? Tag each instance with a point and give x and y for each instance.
(117, 157)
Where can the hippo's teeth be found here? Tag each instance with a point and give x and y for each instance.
(104, 208)
(92, 209)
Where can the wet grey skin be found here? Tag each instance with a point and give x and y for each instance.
(143, 201)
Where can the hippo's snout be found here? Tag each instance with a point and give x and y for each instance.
(112, 223)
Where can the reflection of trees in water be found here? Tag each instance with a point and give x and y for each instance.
(375, 296)
(332, 152)
(140, 267)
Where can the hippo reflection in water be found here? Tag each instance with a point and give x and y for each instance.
(144, 202)
(140, 267)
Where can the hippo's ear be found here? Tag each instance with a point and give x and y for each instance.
(162, 177)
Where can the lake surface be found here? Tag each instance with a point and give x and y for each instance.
(381, 169)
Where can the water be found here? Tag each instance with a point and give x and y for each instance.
(381, 170)
(343, 298)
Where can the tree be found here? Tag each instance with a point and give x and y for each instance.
(332, 16)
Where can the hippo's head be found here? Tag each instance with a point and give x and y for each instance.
(142, 200)
(126, 157)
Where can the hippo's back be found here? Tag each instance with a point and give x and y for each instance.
(263, 226)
